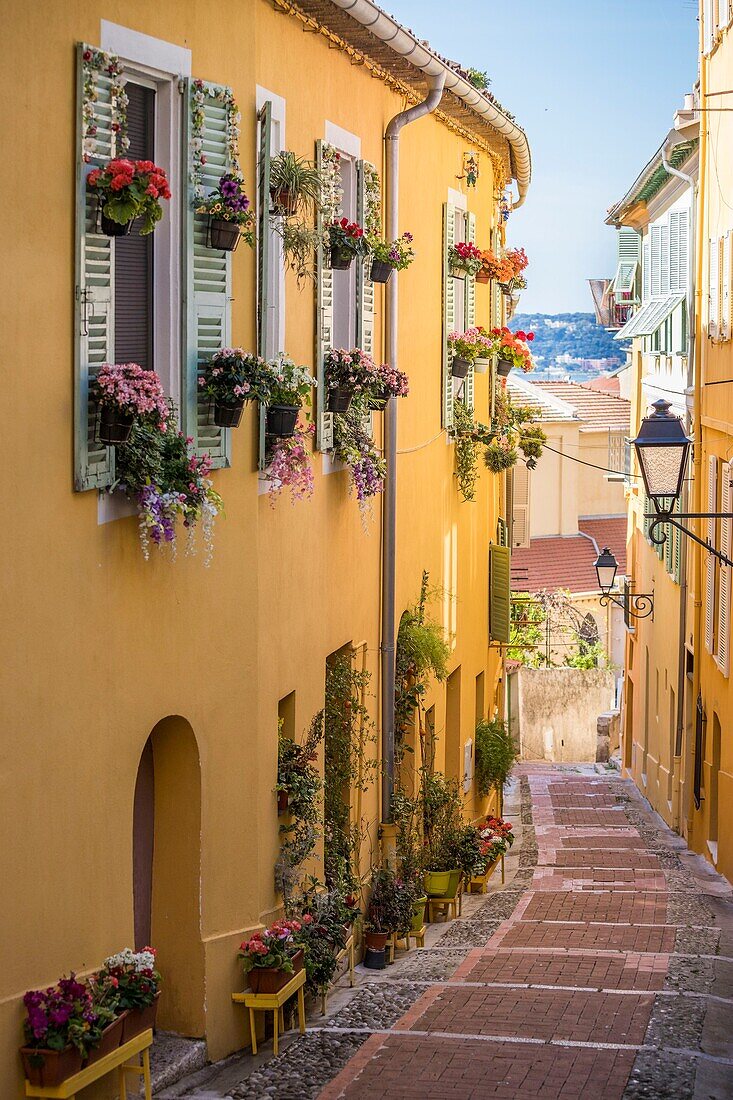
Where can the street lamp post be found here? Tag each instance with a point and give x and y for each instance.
(636, 605)
(663, 450)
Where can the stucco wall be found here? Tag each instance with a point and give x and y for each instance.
(559, 709)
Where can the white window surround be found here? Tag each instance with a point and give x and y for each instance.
(275, 323)
(160, 65)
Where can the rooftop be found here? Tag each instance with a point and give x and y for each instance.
(653, 176)
(524, 392)
(596, 409)
(568, 562)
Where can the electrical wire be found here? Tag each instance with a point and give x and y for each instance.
(606, 469)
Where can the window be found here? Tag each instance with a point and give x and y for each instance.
(344, 282)
(459, 302)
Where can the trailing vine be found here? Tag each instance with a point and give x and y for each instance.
(331, 189)
(373, 201)
(422, 651)
(515, 428)
(297, 775)
(469, 436)
(200, 90)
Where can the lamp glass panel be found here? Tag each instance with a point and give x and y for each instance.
(606, 575)
(661, 467)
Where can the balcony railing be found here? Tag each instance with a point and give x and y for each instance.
(610, 312)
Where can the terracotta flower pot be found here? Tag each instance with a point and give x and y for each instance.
(381, 271)
(481, 365)
(503, 366)
(115, 426)
(271, 979)
(339, 399)
(284, 203)
(436, 883)
(376, 940)
(459, 367)
(281, 420)
(50, 1067)
(223, 235)
(228, 416)
(140, 1019)
(483, 277)
(111, 1039)
(341, 258)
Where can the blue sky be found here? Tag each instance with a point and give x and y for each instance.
(595, 86)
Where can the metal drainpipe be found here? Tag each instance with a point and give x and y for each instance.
(389, 500)
(682, 661)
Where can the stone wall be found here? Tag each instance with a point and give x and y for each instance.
(558, 711)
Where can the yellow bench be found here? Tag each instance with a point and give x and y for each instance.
(478, 883)
(116, 1059)
(273, 1002)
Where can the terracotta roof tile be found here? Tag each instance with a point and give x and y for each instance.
(568, 562)
(604, 383)
(594, 408)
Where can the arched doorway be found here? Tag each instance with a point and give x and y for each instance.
(166, 858)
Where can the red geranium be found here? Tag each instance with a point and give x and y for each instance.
(130, 189)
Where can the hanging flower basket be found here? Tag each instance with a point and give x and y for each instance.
(483, 276)
(503, 367)
(271, 979)
(115, 426)
(457, 272)
(112, 228)
(281, 420)
(228, 416)
(380, 271)
(481, 365)
(339, 399)
(459, 367)
(341, 259)
(378, 400)
(223, 235)
(49, 1068)
(125, 187)
(284, 203)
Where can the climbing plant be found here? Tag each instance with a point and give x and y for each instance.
(494, 755)
(297, 774)
(422, 651)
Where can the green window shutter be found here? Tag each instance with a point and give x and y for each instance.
(207, 279)
(449, 310)
(669, 550)
(470, 312)
(264, 257)
(324, 328)
(94, 312)
(364, 285)
(646, 522)
(677, 550)
(502, 534)
(499, 593)
(646, 269)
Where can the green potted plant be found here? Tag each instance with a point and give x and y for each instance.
(384, 914)
(289, 387)
(294, 183)
(298, 782)
(230, 217)
(347, 374)
(441, 804)
(61, 1026)
(495, 754)
(469, 435)
(346, 241)
(462, 352)
(126, 190)
(299, 244)
(138, 988)
(272, 956)
(389, 256)
(230, 379)
(389, 382)
(464, 259)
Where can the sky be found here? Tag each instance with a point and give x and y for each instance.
(595, 86)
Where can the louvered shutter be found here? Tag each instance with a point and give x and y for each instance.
(499, 593)
(470, 314)
(708, 28)
(646, 523)
(684, 234)
(723, 632)
(674, 251)
(324, 327)
(710, 560)
(656, 272)
(629, 245)
(669, 550)
(94, 289)
(713, 288)
(725, 288)
(677, 556)
(520, 507)
(449, 310)
(664, 259)
(646, 269)
(364, 285)
(264, 259)
(502, 533)
(207, 279)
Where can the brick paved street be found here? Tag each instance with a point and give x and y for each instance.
(603, 968)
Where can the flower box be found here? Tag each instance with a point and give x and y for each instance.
(271, 979)
(140, 1019)
(49, 1068)
(111, 1039)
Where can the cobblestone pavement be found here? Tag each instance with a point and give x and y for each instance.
(602, 968)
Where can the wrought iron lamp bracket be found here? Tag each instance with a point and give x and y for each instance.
(660, 537)
(636, 605)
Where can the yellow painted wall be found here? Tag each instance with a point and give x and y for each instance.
(100, 646)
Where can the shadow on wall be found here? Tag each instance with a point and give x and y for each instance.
(557, 713)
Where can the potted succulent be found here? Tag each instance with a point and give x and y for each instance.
(464, 259)
(230, 378)
(272, 956)
(511, 350)
(138, 988)
(389, 256)
(346, 240)
(125, 392)
(126, 190)
(347, 374)
(462, 352)
(294, 182)
(288, 387)
(389, 382)
(62, 1025)
(230, 216)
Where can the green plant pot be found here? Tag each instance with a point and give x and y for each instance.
(455, 878)
(418, 914)
(436, 883)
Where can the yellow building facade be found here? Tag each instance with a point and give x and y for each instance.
(167, 678)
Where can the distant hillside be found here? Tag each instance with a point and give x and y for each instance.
(567, 339)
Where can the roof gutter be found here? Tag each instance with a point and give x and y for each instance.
(405, 45)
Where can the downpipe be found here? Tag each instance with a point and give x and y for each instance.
(436, 85)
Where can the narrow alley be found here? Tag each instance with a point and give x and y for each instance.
(603, 967)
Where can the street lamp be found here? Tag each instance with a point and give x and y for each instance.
(663, 448)
(636, 605)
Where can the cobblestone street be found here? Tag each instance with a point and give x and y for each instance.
(604, 966)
